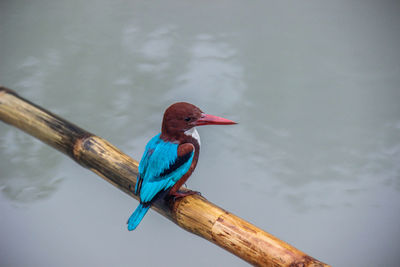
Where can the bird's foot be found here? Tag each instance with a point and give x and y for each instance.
(180, 194)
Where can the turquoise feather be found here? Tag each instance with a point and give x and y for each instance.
(137, 216)
(157, 159)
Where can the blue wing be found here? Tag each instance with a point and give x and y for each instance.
(160, 168)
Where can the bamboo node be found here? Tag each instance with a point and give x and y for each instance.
(80, 144)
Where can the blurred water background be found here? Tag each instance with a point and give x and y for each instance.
(315, 159)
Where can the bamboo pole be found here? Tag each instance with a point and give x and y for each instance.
(193, 213)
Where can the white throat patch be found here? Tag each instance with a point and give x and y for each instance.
(193, 133)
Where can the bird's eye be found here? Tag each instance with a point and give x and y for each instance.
(188, 119)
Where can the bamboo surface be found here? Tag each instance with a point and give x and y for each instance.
(193, 213)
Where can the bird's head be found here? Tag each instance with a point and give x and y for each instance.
(182, 116)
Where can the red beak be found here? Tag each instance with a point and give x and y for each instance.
(207, 119)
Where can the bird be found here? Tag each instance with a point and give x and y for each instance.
(170, 157)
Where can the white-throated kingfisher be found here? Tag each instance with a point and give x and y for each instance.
(170, 157)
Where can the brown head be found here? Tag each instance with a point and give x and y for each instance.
(182, 116)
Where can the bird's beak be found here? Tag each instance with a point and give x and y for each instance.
(207, 119)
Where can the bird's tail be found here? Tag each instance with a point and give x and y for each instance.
(137, 216)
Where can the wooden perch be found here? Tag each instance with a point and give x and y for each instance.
(193, 213)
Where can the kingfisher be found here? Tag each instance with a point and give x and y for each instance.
(170, 157)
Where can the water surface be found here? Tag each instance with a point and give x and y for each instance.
(314, 159)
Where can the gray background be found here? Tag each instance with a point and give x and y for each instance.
(314, 160)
